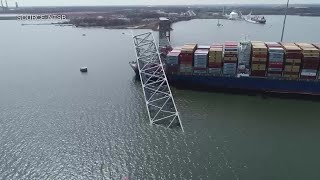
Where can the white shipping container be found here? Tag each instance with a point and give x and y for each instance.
(200, 66)
(242, 67)
(229, 64)
(214, 70)
(203, 47)
(276, 50)
(274, 75)
(308, 74)
(275, 69)
(309, 71)
(200, 71)
(187, 70)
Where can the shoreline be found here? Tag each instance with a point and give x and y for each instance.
(153, 25)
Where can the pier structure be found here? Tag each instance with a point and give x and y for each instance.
(164, 33)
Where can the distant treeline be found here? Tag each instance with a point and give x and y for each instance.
(105, 22)
(258, 10)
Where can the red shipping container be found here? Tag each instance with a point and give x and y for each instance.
(275, 73)
(275, 65)
(308, 77)
(292, 51)
(259, 55)
(186, 54)
(200, 69)
(310, 66)
(293, 56)
(258, 73)
(259, 62)
(291, 73)
(310, 58)
(215, 65)
(273, 45)
(186, 60)
(186, 63)
(311, 61)
(186, 57)
(231, 43)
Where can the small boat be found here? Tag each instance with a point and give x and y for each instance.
(83, 34)
(83, 69)
(258, 19)
(219, 23)
(255, 19)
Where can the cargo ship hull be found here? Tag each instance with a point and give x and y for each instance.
(245, 84)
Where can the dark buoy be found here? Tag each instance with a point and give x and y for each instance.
(84, 69)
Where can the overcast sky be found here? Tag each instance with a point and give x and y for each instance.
(147, 2)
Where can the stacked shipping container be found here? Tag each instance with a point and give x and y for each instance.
(318, 47)
(310, 61)
(275, 60)
(215, 60)
(259, 59)
(172, 61)
(200, 61)
(292, 60)
(230, 58)
(186, 58)
(244, 57)
(201, 47)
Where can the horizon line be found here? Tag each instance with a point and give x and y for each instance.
(167, 5)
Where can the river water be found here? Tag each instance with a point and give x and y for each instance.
(56, 123)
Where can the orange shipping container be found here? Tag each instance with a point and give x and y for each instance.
(297, 61)
(230, 59)
(258, 67)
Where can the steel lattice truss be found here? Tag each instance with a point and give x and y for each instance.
(158, 97)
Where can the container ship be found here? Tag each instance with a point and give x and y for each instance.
(255, 19)
(247, 66)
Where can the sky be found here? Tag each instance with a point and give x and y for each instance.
(148, 2)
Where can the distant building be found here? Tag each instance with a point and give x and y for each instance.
(100, 17)
(123, 19)
(233, 15)
(173, 14)
(160, 12)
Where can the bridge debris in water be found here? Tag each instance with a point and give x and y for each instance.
(158, 97)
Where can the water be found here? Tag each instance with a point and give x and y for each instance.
(305, 29)
(56, 123)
